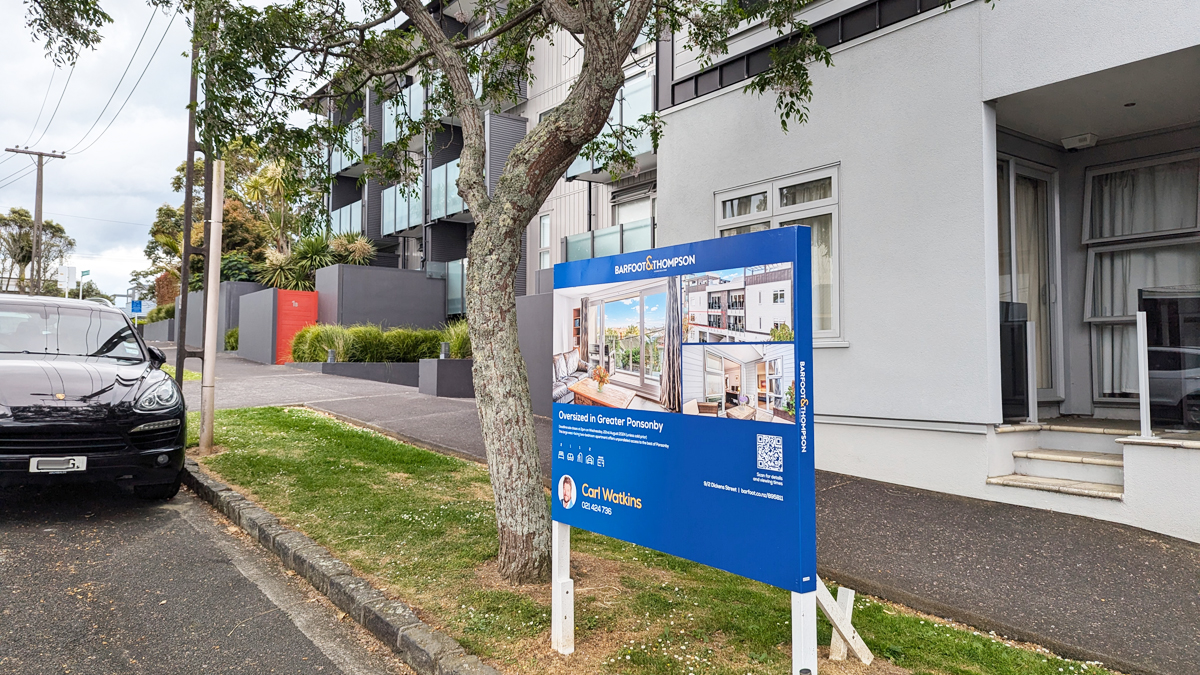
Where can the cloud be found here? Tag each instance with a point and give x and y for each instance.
(126, 175)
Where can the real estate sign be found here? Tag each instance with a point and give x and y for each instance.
(683, 405)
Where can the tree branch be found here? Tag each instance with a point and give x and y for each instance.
(570, 18)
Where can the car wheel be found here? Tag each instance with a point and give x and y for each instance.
(162, 491)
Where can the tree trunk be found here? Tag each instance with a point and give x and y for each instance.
(505, 412)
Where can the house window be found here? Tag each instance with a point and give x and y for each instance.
(808, 199)
(544, 242)
(775, 390)
(714, 377)
(1141, 221)
(744, 206)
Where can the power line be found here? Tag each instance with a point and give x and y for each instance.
(153, 13)
(23, 172)
(103, 220)
(56, 105)
(45, 97)
(133, 89)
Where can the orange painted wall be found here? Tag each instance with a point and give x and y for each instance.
(295, 310)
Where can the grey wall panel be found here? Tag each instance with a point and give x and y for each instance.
(229, 313)
(544, 281)
(447, 241)
(194, 328)
(159, 331)
(503, 133)
(446, 146)
(388, 297)
(535, 335)
(256, 332)
(345, 191)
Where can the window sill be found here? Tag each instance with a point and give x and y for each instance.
(829, 344)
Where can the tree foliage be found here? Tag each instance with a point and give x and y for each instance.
(270, 67)
(16, 250)
(69, 26)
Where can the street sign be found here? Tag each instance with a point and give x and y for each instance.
(85, 273)
(135, 306)
(66, 276)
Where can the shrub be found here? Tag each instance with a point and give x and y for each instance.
(367, 344)
(231, 340)
(782, 333)
(312, 343)
(407, 345)
(161, 313)
(351, 248)
(460, 340)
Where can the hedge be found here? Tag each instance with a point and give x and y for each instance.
(366, 343)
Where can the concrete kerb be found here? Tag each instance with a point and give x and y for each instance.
(425, 650)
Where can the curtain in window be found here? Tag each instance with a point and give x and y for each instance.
(1116, 278)
(1033, 266)
(1158, 198)
(671, 388)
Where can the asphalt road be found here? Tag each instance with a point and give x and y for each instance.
(97, 581)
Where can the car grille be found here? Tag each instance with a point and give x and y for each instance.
(155, 438)
(59, 443)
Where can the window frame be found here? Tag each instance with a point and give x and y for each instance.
(1088, 304)
(545, 242)
(1104, 169)
(776, 215)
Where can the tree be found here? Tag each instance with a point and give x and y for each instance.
(262, 71)
(67, 26)
(91, 290)
(16, 249)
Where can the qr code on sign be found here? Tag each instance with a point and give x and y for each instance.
(770, 452)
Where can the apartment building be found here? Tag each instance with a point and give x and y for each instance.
(427, 228)
(989, 188)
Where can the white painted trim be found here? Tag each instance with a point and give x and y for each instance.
(804, 631)
(1143, 376)
(1125, 246)
(916, 425)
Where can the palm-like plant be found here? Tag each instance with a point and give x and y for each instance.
(268, 187)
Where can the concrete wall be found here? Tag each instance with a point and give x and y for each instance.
(256, 331)
(534, 331)
(227, 311)
(159, 331)
(350, 294)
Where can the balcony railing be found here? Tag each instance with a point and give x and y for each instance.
(455, 274)
(340, 160)
(634, 99)
(346, 219)
(444, 199)
(402, 209)
(626, 238)
(411, 106)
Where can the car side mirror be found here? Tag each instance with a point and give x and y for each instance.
(157, 357)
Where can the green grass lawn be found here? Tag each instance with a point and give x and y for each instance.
(422, 525)
(187, 374)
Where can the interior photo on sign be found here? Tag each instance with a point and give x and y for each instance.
(740, 381)
(617, 345)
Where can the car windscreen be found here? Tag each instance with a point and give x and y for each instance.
(72, 331)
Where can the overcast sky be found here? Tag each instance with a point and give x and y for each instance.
(106, 194)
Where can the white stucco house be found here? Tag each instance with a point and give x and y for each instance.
(963, 168)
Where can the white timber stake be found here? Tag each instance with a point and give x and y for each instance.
(841, 625)
(804, 632)
(562, 589)
(208, 375)
(1143, 376)
(845, 601)
(1031, 369)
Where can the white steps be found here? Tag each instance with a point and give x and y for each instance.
(1075, 472)
(1080, 488)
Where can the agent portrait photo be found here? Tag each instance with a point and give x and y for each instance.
(566, 492)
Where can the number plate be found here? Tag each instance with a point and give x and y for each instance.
(57, 464)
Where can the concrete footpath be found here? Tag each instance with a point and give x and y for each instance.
(1084, 588)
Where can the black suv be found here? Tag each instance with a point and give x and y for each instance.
(83, 399)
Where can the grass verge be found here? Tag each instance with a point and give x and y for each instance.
(422, 526)
(187, 374)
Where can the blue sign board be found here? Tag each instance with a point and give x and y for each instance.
(135, 306)
(683, 414)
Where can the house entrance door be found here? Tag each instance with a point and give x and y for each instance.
(1028, 264)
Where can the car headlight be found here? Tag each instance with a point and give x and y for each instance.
(162, 396)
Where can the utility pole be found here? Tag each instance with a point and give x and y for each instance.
(35, 265)
(181, 348)
(211, 305)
